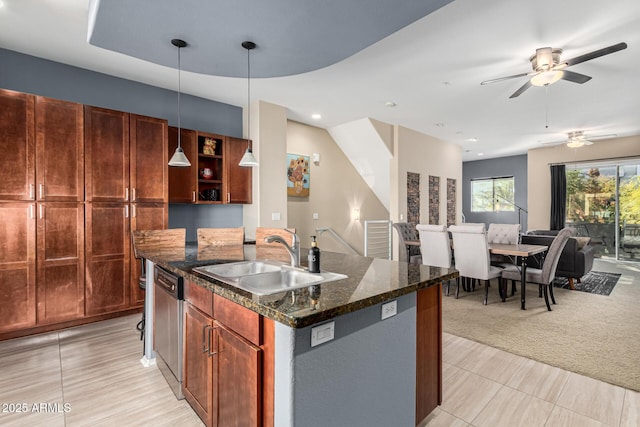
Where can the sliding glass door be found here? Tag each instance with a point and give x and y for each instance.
(603, 202)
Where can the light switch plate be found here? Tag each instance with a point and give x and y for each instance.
(315, 215)
(275, 216)
(389, 309)
(323, 333)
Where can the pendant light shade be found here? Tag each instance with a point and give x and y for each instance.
(179, 159)
(248, 160)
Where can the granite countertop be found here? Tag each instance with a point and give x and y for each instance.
(370, 281)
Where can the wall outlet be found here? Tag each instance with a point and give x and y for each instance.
(389, 309)
(401, 217)
(315, 215)
(323, 333)
(275, 216)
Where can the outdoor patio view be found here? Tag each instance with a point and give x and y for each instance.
(605, 208)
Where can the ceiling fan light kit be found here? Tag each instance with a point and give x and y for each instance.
(548, 67)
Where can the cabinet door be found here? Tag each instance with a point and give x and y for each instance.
(428, 351)
(197, 381)
(107, 155)
(17, 266)
(17, 145)
(107, 257)
(148, 159)
(237, 179)
(144, 216)
(238, 369)
(59, 150)
(182, 180)
(60, 255)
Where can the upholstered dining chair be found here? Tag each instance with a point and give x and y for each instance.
(542, 277)
(472, 255)
(507, 234)
(435, 246)
(169, 239)
(407, 232)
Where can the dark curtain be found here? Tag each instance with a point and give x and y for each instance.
(558, 197)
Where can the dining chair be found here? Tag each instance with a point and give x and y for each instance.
(407, 232)
(273, 250)
(435, 246)
(472, 255)
(542, 277)
(507, 234)
(169, 239)
(220, 236)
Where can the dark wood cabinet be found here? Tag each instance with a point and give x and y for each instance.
(238, 377)
(223, 370)
(197, 378)
(428, 351)
(17, 145)
(17, 265)
(59, 150)
(214, 176)
(107, 249)
(107, 155)
(144, 216)
(148, 159)
(237, 179)
(60, 262)
(182, 180)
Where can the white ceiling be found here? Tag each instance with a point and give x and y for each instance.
(431, 69)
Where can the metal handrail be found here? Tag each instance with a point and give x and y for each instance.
(340, 240)
(378, 239)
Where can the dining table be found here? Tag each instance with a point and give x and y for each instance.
(525, 252)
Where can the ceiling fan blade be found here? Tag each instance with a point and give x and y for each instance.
(515, 76)
(524, 87)
(574, 77)
(595, 54)
(587, 142)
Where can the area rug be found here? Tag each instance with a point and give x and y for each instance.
(594, 282)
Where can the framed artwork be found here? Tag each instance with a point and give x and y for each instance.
(297, 175)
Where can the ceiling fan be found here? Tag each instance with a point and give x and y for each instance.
(577, 139)
(548, 68)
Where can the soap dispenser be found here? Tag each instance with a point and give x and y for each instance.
(314, 256)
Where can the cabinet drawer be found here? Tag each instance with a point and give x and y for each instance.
(241, 320)
(199, 297)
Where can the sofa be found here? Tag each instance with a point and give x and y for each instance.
(576, 259)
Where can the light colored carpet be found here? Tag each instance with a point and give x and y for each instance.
(594, 335)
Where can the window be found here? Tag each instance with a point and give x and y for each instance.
(492, 194)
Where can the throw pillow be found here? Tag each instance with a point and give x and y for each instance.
(582, 241)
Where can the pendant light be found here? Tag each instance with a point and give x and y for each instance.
(248, 159)
(179, 159)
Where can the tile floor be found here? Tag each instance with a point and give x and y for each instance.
(483, 386)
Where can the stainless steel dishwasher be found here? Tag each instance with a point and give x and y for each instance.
(167, 328)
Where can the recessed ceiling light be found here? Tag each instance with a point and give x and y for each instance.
(480, 154)
(446, 83)
(390, 104)
(316, 116)
(472, 139)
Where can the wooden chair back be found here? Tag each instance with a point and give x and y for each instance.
(273, 250)
(220, 236)
(169, 239)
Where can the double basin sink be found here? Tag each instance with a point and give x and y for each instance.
(266, 277)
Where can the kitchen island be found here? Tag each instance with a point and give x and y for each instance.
(366, 370)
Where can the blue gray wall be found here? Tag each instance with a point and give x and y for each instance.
(515, 166)
(38, 76)
(365, 376)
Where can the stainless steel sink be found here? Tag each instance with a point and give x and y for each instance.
(265, 277)
(238, 269)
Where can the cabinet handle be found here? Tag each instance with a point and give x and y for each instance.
(206, 342)
(126, 194)
(133, 211)
(228, 197)
(31, 209)
(126, 211)
(31, 192)
(133, 194)
(41, 211)
(41, 191)
(213, 353)
(193, 196)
